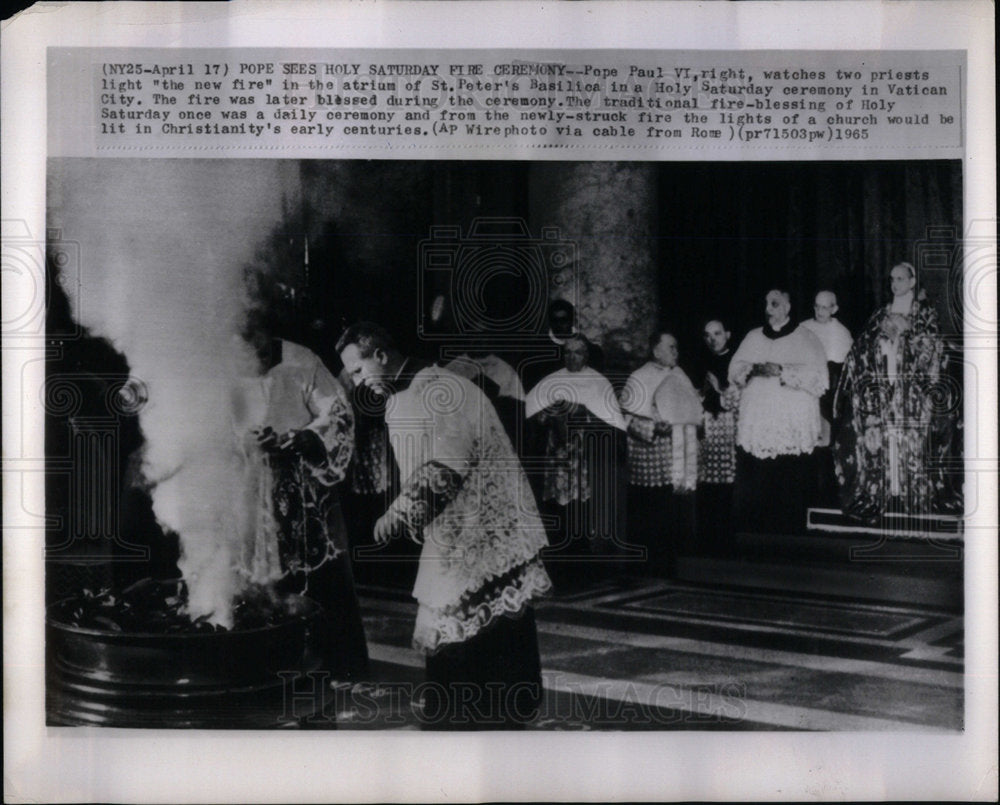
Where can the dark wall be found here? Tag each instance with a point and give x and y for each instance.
(729, 232)
(365, 221)
(725, 234)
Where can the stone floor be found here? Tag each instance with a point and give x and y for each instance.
(795, 633)
(634, 653)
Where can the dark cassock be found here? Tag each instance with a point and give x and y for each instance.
(782, 373)
(465, 497)
(298, 434)
(371, 485)
(836, 340)
(717, 458)
(584, 482)
(899, 429)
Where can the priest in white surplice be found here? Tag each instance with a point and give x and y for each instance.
(836, 340)
(465, 496)
(663, 412)
(576, 416)
(781, 369)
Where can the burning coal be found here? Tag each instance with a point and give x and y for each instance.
(162, 245)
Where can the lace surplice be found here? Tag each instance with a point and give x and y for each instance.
(779, 416)
(466, 497)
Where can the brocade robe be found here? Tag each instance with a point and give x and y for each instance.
(297, 521)
(899, 416)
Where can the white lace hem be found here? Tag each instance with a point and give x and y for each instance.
(436, 628)
(777, 421)
(780, 442)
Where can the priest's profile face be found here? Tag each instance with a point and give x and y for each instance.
(366, 371)
(665, 352)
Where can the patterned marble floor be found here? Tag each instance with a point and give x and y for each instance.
(633, 653)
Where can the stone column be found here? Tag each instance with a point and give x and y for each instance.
(609, 210)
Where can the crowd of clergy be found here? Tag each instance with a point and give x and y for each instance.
(506, 478)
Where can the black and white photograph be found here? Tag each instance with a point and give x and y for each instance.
(492, 402)
(502, 445)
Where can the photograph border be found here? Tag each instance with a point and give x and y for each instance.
(123, 765)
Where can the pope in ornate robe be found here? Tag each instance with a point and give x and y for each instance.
(899, 413)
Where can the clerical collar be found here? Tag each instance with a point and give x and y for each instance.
(785, 329)
(273, 355)
(560, 340)
(408, 369)
(902, 304)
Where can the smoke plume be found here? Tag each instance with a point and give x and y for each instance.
(162, 244)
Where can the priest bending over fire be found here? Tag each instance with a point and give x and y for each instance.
(298, 435)
(465, 497)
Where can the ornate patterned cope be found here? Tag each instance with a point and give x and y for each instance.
(578, 415)
(899, 425)
(466, 496)
(779, 416)
(298, 524)
(657, 393)
(570, 453)
(717, 459)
